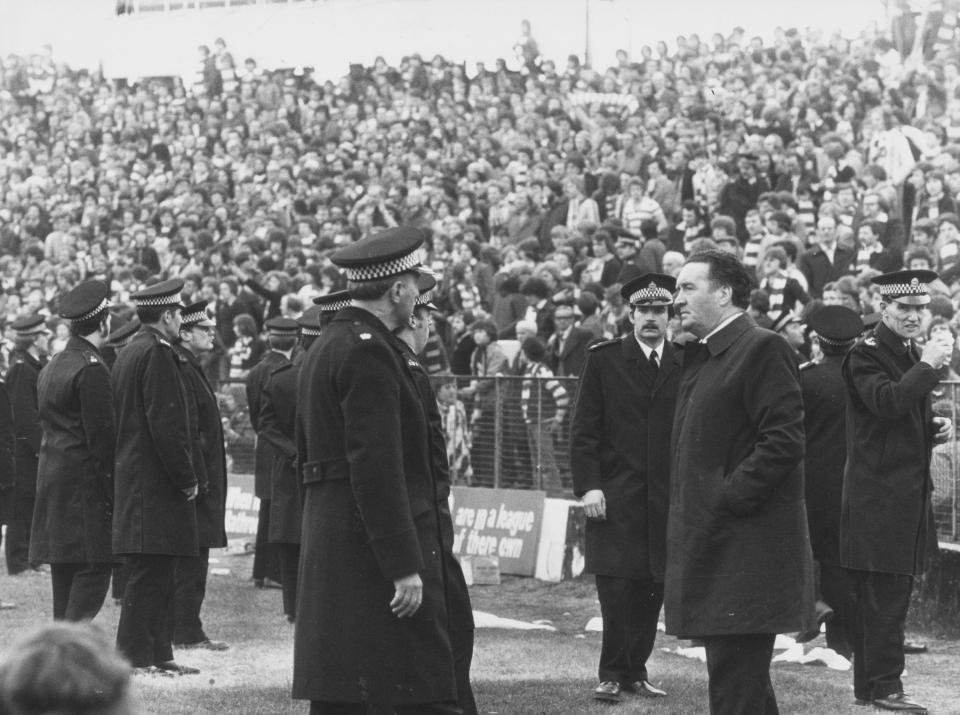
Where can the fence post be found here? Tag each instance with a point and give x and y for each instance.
(497, 430)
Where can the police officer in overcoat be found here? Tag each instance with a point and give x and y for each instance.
(74, 505)
(8, 464)
(155, 483)
(277, 423)
(459, 609)
(825, 454)
(26, 360)
(886, 509)
(282, 338)
(197, 330)
(371, 632)
(620, 459)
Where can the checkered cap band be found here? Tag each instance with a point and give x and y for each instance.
(914, 287)
(334, 306)
(196, 316)
(833, 342)
(158, 301)
(651, 293)
(377, 271)
(310, 332)
(425, 298)
(104, 304)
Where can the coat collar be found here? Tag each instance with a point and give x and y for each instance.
(890, 339)
(729, 334)
(78, 343)
(353, 314)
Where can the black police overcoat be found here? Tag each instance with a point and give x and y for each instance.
(369, 517)
(74, 505)
(620, 444)
(152, 514)
(277, 423)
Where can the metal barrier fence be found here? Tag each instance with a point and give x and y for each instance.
(500, 435)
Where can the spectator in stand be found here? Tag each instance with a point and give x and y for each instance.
(487, 361)
(826, 261)
(566, 350)
(784, 294)
(544, 403)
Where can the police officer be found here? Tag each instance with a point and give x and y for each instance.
(282, 336)
(26, 360)
(277, 424)
(886, 511)
(197, 330)
(119, 339)
(155, 485)
(74, 507)
(371, 554)
(620, 459)
(414, 336)
(836, 328)
(8, 464)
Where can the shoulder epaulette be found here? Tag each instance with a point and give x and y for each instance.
(870, 341)
(807, 365)
(605, 343)
(91, 357)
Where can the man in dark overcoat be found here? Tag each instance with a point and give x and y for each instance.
(8, 464)
(155, 483)
(371, 630)
(26, 360)
(459, 610)
(739, 567)
(197, 330)
(620, 459)
(824, 427)
(74, 505)
(282, 337)
(886, 510)
(277, 422)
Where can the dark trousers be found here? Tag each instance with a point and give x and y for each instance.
(289, 563)
(322, 707)
(739, 671)
(118, 580)
(882, 603)
(838, 591)
(630, 608)
(146, 616)
(17, 548)
(190, 587)
(78, 590)
(461, 641)
(266, 559)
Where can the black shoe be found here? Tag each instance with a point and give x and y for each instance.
(900, 702)
(912, 648)
(177, 669)
(608, 691)
(644, 689)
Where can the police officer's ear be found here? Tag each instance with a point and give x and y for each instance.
(104, 330)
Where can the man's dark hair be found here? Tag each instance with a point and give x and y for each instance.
(83, 328)
(371, 290)
(150, 314)
(648, 229)
(282, 342)
(535, 286)
(726, 270)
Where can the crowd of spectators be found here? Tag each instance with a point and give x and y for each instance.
(820, 161)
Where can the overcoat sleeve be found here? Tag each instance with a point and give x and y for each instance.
(96, 417)
(164, 402)
(774, 404)
(886, 399)
(586, 430)
(270, 428)
(7, 460)
(370, 403)
(22, 384)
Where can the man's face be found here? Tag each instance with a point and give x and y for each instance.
(826, 231)
(793, 332)
(480, 337)
(906, 321)
(866, 235)
(626, 250)
(871, 206)
(199, 338)
(563, 319)
(407, 298)
(649, 323)
(421, 322)
(948, 232)
(699, 300)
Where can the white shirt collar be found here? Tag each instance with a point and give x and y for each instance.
(647, 350)
(723, 323)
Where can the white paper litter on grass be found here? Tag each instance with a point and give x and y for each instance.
(783, 642)
(482, 619)
(694, 652)
(594, 625)
(220, 572)
(827, 657)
